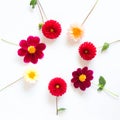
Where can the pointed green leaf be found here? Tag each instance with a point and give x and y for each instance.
(105, 47)
(61, 109)
(33, 3)
(102, 83)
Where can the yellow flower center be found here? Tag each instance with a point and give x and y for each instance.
(31, 49)
(57, 86)
(77, 32)
(51, 30)
(82, 77)
(32, 75)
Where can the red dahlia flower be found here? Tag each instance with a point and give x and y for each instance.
(51, 29)
(82, 77)
(87, 51)
(57, 86)
(31, 49)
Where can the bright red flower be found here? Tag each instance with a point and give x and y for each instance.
(82, 78)
(31, 49)
(57, 86)
(87, 51)
(51, 29)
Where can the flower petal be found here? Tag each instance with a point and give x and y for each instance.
(27, 58)
(40, 54)
(34, 59)
(22, 52)
(23, 44)
(41, 46)
(33, 40)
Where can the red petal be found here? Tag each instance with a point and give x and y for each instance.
(87, 84)
(82, 87)
(40, 55)
(41, 46)
(75, 74)
(23, 44)
(33, 40)
(77, 84)
(74, 80)
(22, 52)
(27, 58)
(34, 59)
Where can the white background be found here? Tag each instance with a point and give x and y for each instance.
(21, 102)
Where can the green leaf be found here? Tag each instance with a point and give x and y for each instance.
(61, 109)
(105, 46)
(102, 83)
(33, 3)
(40, 26)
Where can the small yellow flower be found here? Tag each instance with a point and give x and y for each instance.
(31, 75)
(75, 32)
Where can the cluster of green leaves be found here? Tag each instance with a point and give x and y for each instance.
(33, 3)
(102, 83)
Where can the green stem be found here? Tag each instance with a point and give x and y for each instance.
(56, 105)
(8, 42)
(111, 93)
(89, 13)
(10, 84)
(110, 43)
(107, 90)
(114, 41)
(41, 10)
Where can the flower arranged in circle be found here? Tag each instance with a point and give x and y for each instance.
(75, 32)
(31, 49)
(87, 51)
(57, 86)
(51, 29)
(31, 75)
(82, 78)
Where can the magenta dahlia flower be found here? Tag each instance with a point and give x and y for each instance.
(31, 49)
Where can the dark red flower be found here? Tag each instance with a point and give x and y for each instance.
(51, 29)
(31, 49)
(82, 78)
(57, 86)
(87, 50)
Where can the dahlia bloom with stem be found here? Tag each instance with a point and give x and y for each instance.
(81, 78)
(31, 49)
(75, 32)
(57, 87)
(30, 76)
(87, 50)
(51, 29)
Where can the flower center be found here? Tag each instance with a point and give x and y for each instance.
(77, 32)
(82, 77)
(57, 86)
(31, 49)
(86, 51)
(32, 75)
(51, 30)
